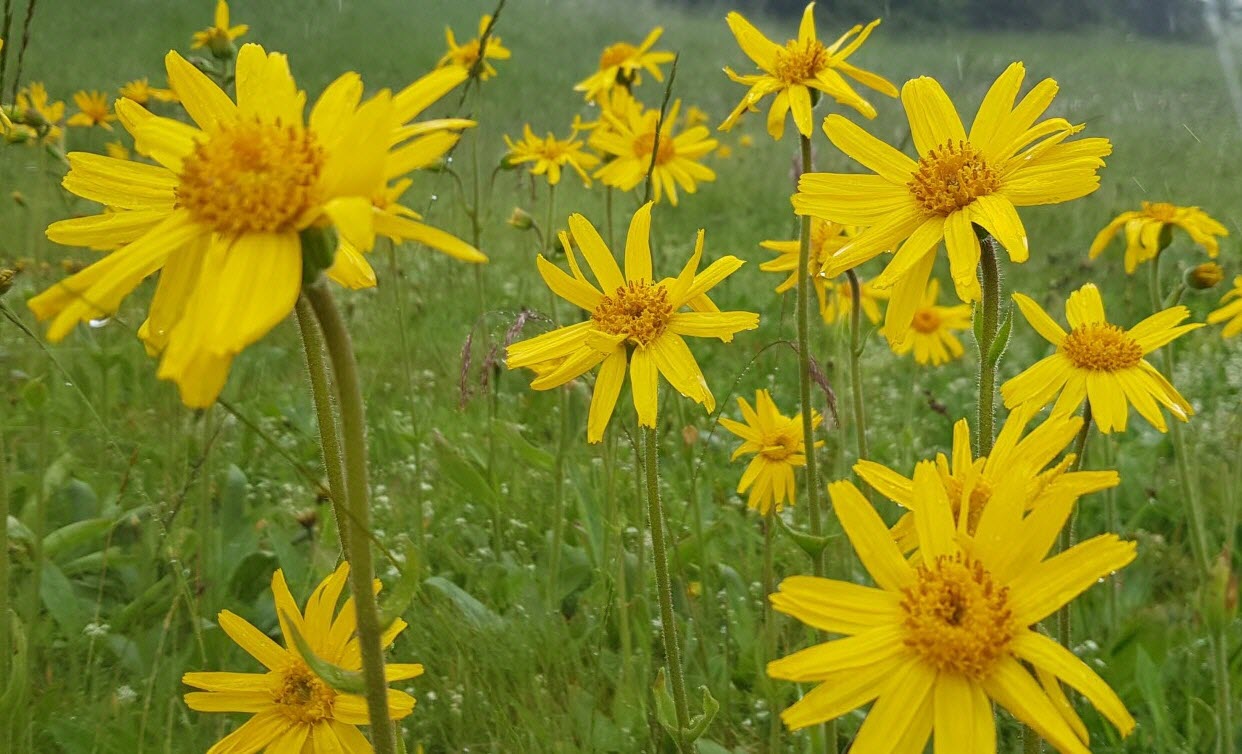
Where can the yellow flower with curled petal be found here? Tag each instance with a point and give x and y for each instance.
(636, 321)
(1144, 230)
(219, 37)
(93, 110)
(931, 335)
(835, 296)
(466, 55)
(619, 66)
(547, 156)
(1100, 363)
(778, 446)
(804, 64)
(630, 141)
(940, 639)
(294, 710)
(1230, 311)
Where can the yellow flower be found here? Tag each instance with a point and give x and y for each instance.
(141, 91)
(5, 123)
(222, 211)
(116, 150)
(835, 296)
(219, 38)
(466, 55)
(639, 323)
(695, 116)
(620, 63)
(724, 151)
(93, 110)
(1008, 160)
(41, 117)
(746, 140)
(1145, 228)
(802, 65)
(630, 140)
(1100, 363)
(966, 478)
(931, 331)
(550, 154)
(1204, 276)
(939, 640)
(1230, 311)
(778, 446)
(294, 709)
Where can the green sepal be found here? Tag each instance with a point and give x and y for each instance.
(1166, 238)
(1002, 337)
(699, 723)
(812, 545)
(1175, 295)
(666, 711)
(340, 679)
(318, 252)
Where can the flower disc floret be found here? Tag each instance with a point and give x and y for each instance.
(951, 176)
(302, 696)
(926, 321)
(644, 143)
(1101, 347)
(957, 618)
(800, 60)
(638, 310)
(616, 54)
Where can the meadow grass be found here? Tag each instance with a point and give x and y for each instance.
(136, 520)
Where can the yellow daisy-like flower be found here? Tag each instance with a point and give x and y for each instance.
(1008, 160)
(219, 37)
(221, 213)
(39, 114)
(931, 331)
(936, 642)
(630, 140)
(1145, 227)
(1230, 311)
(93, 110)
(466, 55)
(639, 323)
(620, 63)
(295, 711)
(549, 154)
(835, 296)
(1100, 363)
(804, 64)
(116, 150)
(973, 480)
(778, 446)
(141, 91)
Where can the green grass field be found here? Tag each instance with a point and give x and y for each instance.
(134, 520)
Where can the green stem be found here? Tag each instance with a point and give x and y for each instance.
(562, 440)
(1068, 536)
(6, 651)
(612, 244)
(329, 430)
(804, 367)
(860, 413)
(340, 351)
(769, 630)
(659, 553)
(989, 310)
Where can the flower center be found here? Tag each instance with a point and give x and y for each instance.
(252, 178)
(616, 54)
(1101, 347)
(951, 176)
(638, 310)
(1162, 211)
(926, 321)
(800, 61)
(302, 697)
(957, 618)
(467, 53)
(644, 142)
(782, 445)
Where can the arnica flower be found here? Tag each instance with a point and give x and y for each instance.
(39, 114)
(221, 212)
(1230, 311)
(937, 641)
(93, 110)
(972, 480)
(141, 91)
(219, 38)
(695, 116)
(778, 446)
(804, 64)
(1008, 160)
(639, 322)
(295, 711)
(467, 55)
(835, 296)
(630, 140)
(1100, 363)
(1145, 231)
(620, 63)
(931, 331)
(549, 154)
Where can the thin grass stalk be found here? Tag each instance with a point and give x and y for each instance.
(21, 51)
(340, 352)
(856, 347)
(769, 629)
(5, 620)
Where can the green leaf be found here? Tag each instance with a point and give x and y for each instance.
(1002, 337)
(62, 603)
(479, 616)
(699, 723)
(666, 711)
(252, 575)
(812, 545)
(340, 679)
(403, 592)
(15, 685)
(469, 476)
(72, 536)
(531, 454)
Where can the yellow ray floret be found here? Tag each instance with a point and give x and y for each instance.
(1230, 311)
(778, 446)
(466, 55)
(931, 335)
(1145, 231)
(93, 110)
(630, 140)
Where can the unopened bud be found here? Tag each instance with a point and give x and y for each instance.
(6, 280)
(18, 198)
(520, 219)
(222, 47)
(1220, 593)
(1205, 276)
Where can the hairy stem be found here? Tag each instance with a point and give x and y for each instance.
(804, 367)
(989, 310)
(1068, 537)
(860, 412)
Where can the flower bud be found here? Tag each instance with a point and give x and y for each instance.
(1205, 276)
(6, 280)
(520, 219)
(18, 198)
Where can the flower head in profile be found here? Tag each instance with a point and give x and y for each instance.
(1101, 363)
(219, 37)
(1008, 160)
(620, 64)
(93, 110)
(221, 213)
(778, 446)
(293, 708)
(466, 55)
(1230, 311)
(835, 296)
(1017, 454)
(800, 71)
(940, 639)
(141, 91)
(547, 156)
(931, 335)
(636, 321)
(38, 116)
(630, 139)
(1146, 235)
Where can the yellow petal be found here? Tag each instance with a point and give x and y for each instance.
(870, 537)
(933, 119)
(638, 246)
(206, 103)
(604, 397)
